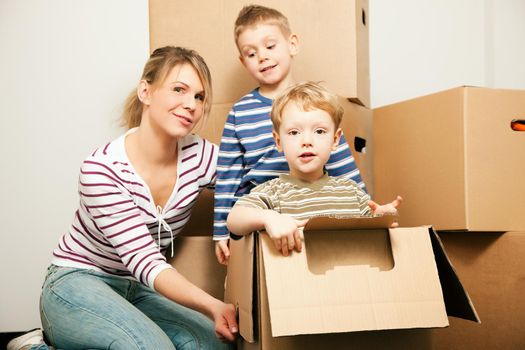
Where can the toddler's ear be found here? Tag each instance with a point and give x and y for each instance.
(277, 140)
(337, 137)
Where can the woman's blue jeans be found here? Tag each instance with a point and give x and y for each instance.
(86, 309)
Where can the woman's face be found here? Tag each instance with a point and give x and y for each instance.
(177, 104)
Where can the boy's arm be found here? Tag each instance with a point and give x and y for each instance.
(230, 168)
(243, 220)
(285, 231)
(342, 162)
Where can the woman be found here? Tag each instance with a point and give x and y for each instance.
(109, 285)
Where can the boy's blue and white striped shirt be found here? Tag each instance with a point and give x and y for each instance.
(248, 157)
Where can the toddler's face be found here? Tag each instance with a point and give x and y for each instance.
(266, 53)
(307, 138)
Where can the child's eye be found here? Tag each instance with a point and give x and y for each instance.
(320, 131)
(250, 54)
(270, 47)
(293, 132)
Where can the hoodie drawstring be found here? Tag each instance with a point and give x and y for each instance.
(164, 224)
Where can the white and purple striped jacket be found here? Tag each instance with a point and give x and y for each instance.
(117, 227)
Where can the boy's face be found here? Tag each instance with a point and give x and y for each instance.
(267, 53)
(307, 138)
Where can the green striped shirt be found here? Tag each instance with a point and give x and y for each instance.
(329, 196)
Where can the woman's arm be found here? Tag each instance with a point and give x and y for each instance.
(176, 287)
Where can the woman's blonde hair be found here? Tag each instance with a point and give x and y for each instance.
(159, 65)
(307, 96)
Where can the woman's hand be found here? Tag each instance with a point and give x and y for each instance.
(224, 317)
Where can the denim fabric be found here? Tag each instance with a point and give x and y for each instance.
(86, 309)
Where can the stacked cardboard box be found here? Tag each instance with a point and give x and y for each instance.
(458, 163)
(455, 158)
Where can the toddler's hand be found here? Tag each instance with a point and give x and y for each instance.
(286, 232)
(386, 209)
(222, 251)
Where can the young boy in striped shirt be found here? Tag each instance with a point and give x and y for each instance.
(306, 121)
(248, 156)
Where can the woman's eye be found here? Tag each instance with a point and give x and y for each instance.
(178, 89)
(199, 97)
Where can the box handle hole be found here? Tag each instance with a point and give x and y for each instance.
(359, 144)
(517, 124)
(363, 17)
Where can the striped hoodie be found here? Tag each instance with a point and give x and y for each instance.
(117, 228)
(248, 157)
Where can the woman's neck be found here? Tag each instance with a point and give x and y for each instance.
(151, 148)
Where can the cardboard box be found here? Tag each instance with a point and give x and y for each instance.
(333, 36)
(345, 280)
(357, 129)
(454, 158)
(194, 258)
(491, 268)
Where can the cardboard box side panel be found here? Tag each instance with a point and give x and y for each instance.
(351, 297)
(239, 284)
(357, 123)
(376, 340)
(194, 258)
(491, 268)
(457, 300)
(495, 160)
(418, 154)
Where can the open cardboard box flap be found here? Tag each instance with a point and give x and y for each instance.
(352, 275)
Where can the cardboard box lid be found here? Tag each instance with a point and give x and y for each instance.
(355, 297)
(337, 28)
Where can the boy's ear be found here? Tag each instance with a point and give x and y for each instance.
(277, 140)
(337, 137)
(293, 41)
(144, 92)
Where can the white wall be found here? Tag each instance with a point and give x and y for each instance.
(66, 66)
(423, 46)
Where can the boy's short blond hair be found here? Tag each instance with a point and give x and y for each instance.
(253, 15)
(308, 96)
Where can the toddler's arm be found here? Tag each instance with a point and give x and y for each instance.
(229, 175)
(285, 231)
